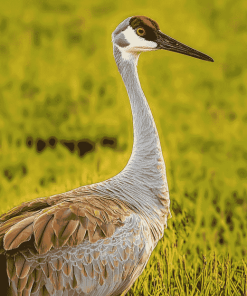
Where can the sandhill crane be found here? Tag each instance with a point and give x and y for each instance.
(97, 239)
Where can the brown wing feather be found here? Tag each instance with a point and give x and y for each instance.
(18, 233)
(67, 223)
(43, 233)
(64, 224)
(22, 266)
(78, 235)
(46, 224)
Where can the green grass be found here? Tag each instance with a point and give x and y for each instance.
(58, 79)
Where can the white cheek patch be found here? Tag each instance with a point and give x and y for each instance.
(136, 42)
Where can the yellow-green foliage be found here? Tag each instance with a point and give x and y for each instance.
(58, 79)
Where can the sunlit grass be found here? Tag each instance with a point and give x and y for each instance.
(58, 79)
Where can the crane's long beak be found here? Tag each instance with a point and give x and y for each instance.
(168, 43)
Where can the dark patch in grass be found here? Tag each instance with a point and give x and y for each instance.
(203, 222)
(8, 174)
(214, 221)
(40, 145)
(11, 172)
(24, 169)
(69, 144)
(221, 236)
(85, 146)
(109, 142)
(29, 142)
(237, 199)
(52, 142)
(229, 221)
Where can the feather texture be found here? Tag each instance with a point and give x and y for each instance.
(63, 225)
(18, 233)
(76, 269)
(44, 233)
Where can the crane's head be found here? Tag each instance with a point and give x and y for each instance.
(139, 33)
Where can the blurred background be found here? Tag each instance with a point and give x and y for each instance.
(65, 118)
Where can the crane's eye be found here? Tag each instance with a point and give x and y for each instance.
(141, 32)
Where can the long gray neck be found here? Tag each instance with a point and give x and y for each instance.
(146, 168)
(146, 152)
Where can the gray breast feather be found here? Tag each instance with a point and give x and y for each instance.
(107, 267)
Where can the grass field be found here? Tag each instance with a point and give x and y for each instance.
(61, 95)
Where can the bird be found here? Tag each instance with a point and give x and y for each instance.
(97, 239)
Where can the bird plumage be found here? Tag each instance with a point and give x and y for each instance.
(97, 239)
(67, 243)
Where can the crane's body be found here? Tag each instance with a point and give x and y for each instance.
(96, 239)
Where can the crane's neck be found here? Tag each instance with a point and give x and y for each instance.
(146, 168)
(146, 151)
